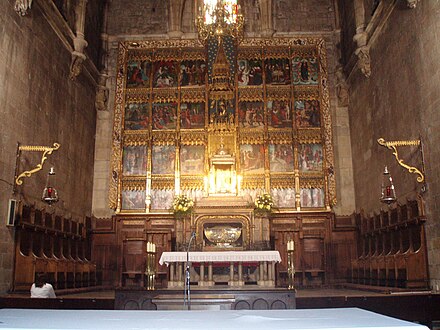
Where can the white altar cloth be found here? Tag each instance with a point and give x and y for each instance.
(291, 319)
(220, 256)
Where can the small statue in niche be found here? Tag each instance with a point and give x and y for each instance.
(221, 112)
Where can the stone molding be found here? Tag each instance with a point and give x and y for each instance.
(366, 36)
(74, 44)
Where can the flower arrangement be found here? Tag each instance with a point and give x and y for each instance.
(264, 204)
(182, 206)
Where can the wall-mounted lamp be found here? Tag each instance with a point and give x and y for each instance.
(25, 174)
(393, 145)
(50, 194)
(388, 193)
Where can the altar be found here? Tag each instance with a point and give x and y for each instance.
(207, 268)
(291, 319)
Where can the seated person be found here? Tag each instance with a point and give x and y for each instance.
(41, 289)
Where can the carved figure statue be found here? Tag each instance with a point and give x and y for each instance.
(341, 88)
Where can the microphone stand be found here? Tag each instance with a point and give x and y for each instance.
(187, 295)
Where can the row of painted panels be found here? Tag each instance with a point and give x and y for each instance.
(192, 159)
(164, 116)
(162, 199)
(280, 71)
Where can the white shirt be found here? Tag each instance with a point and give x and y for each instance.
(46, 291)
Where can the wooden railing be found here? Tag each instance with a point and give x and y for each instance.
(58, 246)
(391, 248)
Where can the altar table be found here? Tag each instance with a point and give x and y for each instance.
(289, 319)
(265, 261)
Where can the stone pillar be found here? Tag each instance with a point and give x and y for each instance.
(210, 279)
(202, 274)
(240, 274)
(172, 270)
(267, 29)
(180, 273)
(175, 19)
(231, 274)
(260, 281)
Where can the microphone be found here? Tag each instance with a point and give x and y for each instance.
(193, 234)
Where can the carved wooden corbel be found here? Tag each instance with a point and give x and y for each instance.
(364, 61)
(22, 7)
(79, 42)
(363, 53)
(78, 57)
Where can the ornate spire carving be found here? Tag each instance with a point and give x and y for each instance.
(221, 87)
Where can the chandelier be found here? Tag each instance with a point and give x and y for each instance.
(220, 18)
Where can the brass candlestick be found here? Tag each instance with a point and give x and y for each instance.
(150, 271)
(291, 264)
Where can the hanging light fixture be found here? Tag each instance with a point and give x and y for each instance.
(388, 193)
(220, 18)
(50, 194)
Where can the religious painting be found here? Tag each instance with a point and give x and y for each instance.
(192, 115)
(250, 195)
(133, 200)
(277, 71)
(310, 157)
(165, 74)
(162, 199)
(250, 73)
(134, 160)
(283, 197)
(279, 114)
(164, 116)
(281, 157)
(194, 194)
(136, 116)
(163, 159)
(138, 74)
(307, 113)
(312, 197)
(251, 114)
(192, 159)
(221, 111)
(305, 71)
(192, 73)
(252, 158)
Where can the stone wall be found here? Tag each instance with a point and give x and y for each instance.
(137, 17)
(400, 102)
(39, 105)
(304, 15)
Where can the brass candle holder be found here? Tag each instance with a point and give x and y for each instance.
(291, 264)
(150, 271)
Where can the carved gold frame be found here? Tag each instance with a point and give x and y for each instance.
(191, 49)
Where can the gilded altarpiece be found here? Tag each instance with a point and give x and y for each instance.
(173, 135)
